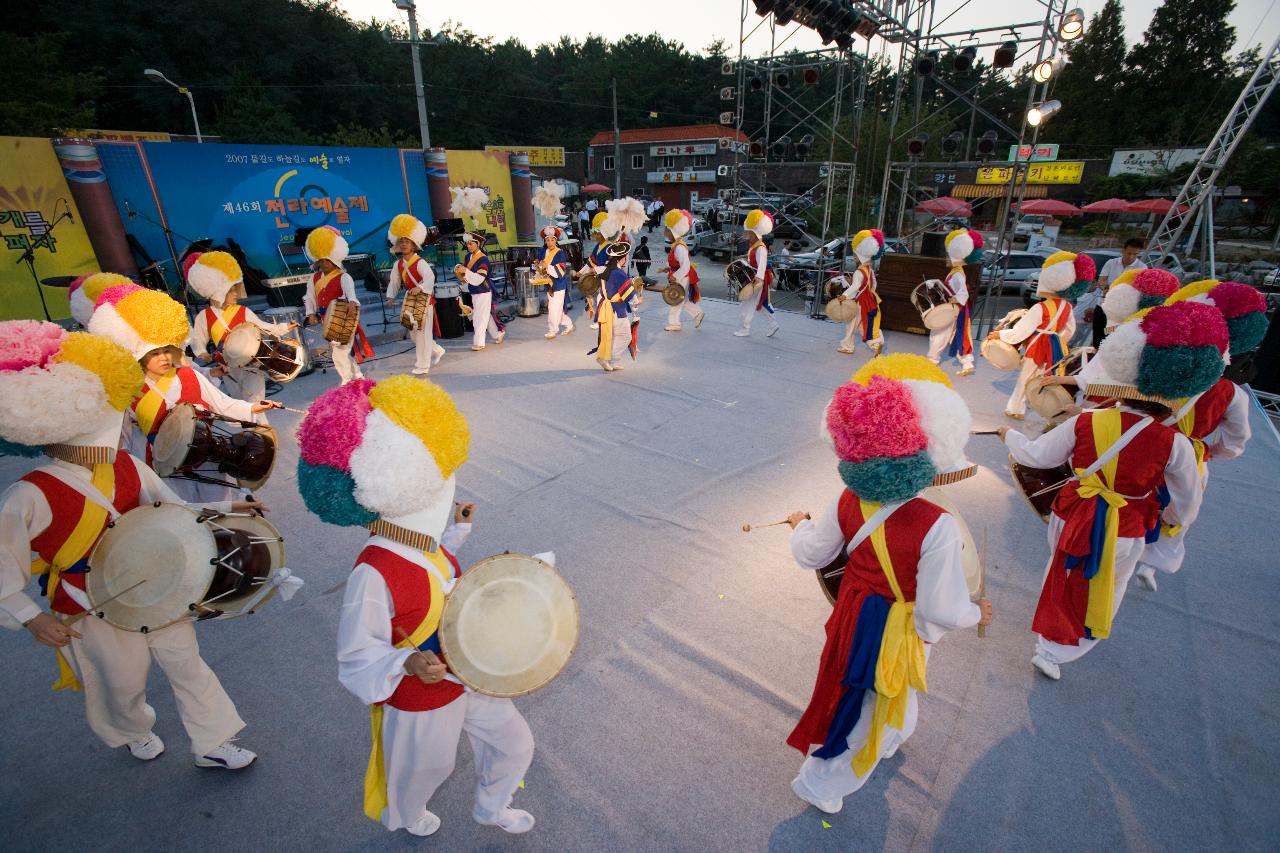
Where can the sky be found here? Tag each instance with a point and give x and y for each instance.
(697, 23)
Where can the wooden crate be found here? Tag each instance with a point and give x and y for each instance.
(898, 276)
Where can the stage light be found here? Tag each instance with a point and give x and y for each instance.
(728, 67)
(756, 83)
(811, 76)
(951, 145)
(804, 145)
(757, 149)
(1038, 115)
(1045, 69)
(1072, 26)
(964, 59)
(782, 79)
(783, 11)
(865, 25)
(916, 144)
(1005, 55)
(987, 144)
(726, 117)
(926, 63)
(780, 145)
(727, 93)
(763, 7)
(844, 41)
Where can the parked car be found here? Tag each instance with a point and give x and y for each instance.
(699, 233)
(1031, 223)
(1022, 265)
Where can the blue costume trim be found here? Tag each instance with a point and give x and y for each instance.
(859, 674)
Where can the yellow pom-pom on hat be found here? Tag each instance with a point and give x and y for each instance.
(213, 274)
(901, 365)
(326, 243)
(425, 410)
(407, 225)
(758, 222)
(120, 374)
(597, 221)
(678, 222)
(141, 321)
(1125, 277)
(1192, 290)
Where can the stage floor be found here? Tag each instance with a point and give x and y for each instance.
(700, 643)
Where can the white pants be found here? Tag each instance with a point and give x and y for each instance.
(747, 311)
(424, 345)
(1167, 553)
(1128, 550)
(482, 317)
(853, 335)
(344, 362)
(833, 778)
(112, 665)
(673, 314)
(420, 747)
(1018, 399)
(939, 340)
(621, 341)
(555, 313)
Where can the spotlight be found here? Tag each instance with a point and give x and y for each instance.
(784, 11)
(844, 41)
(726, 117)
(782, 79)
(916, 144)
(1072, 25)
(987, 144)
(811, 76)
(728, 67)
(1005, 55)
(757, 149)
(780, 145)
(727, 93)
(1038, 115)
(926, 63)
(964, 59)
(804, 145)
(951, 145)
(1045, 69)
(763, 7)
(756, 83)
(865, 25)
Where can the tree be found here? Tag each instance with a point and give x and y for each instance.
(1089, 125)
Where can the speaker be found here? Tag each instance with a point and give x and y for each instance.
(1266, 361)
(360, 268)
(934, 244)
(450, 227)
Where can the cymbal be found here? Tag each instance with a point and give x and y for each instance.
(58, 280)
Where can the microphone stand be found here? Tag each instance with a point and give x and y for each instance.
(169, 234)
(29, 257)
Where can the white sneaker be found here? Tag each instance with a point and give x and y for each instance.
(514, 821)
(697, 323)
(1146, 578)
(551, 336)
(670, 328)
(845, 350)
(893, 751)
(828, 806)
(427, 826)
(606, 366)
(773, 330)
(567, 331)
(497, 339)
(420, 371)
(741, 333)
(595, 325)
(1048, 669)
(148, 748)
(437, 354)
(228, 756)
(477, 347)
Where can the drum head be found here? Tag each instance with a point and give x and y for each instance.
(285, 361)
(748, 291)
(256, 456)
(1000, 355)
(941, 316)
(173, 440)
(268, 542)
(842, 312)
(673, 294)
(589, 284)
(1047, 401)
(240, 347)
(509, 626)
(165, 547)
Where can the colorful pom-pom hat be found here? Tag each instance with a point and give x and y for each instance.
(84, 293)
(407, 225)
(867, 244)
(326, 243)
(1066, 276)
(213, 274)
(140, 320)
(1164, 354)
(1135, 290)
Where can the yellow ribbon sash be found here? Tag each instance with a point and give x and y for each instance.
(93, 518)
(901, 664)
(1106, 426)
(152, 401)
(375, 774)
(222, 325)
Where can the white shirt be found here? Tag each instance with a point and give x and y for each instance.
(213, 398)
(1037, 317)
(959, 288)
(683, 264)
(348, 293)
(425, 274)
(1113, 268)
(198, 340)
(760, 261)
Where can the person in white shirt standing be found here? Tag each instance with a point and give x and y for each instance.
(407, 235)
(1112, 270)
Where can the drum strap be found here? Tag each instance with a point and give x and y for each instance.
(900, 665)
(409, 271)
(220, 323)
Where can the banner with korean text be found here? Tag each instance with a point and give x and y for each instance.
(492, 171)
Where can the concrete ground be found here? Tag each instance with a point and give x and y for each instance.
(700, 643)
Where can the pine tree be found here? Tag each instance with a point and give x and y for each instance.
(1092, 123)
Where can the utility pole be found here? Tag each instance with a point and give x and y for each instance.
(617, 145)
(423, 130)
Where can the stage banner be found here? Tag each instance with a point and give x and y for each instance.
(491, 170)
(33, 196)
(257, 196)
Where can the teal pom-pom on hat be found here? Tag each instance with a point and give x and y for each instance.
(1179, 371)
(887, 479)
(330, 494)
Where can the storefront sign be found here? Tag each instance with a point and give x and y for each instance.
(1151, 161)
(690, 176)
(685, 150)
(548, 156)
(1064, 172)
(1043, 151)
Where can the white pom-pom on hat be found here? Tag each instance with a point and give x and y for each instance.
(946, 422)
(1121, 352)
(395, 474)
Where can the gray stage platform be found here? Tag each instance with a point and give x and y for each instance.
(700, 644)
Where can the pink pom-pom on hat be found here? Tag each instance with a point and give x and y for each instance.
(1156, 282)
(188, 262)
(975, 236)
(112, 295)
(1086, 269)
(335, 425)
(875, 420)
(1234, 299)
(1189, 324)
(29, 343)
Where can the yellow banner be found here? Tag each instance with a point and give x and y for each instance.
(1063, 172)
(548, 155)
(117, 135)
(33, 196)
(492, 171)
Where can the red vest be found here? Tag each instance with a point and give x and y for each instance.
(1040, 349)
(65, 506)
(331, 290)
(1139, 471)
(674, 264)
(904, 534)
(188, 392)
(409, 276)
(1211, 406)
(410, 593)
(212, 318)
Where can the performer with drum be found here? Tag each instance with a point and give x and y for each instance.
(475, 272)
(680, 270)
(392, 470)
(152, 327)
(1048, 325)
(332, 298)
(65, 395)
(760, 225)
(896, 428)
(1119, 457)
(554, 264)
(615, 312)
(963, 247)
(596, 261)
(217, 277)
(867, 245)
(407, 235)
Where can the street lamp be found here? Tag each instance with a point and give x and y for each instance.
(1041, 113)
(420, 91)
(152, 74)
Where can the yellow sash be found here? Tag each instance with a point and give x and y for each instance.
(375, 774)
(901, 664)
(152, 401)
(93, 518)
(1107, 428)
(222, 325)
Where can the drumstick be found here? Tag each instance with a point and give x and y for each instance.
(74, 619)
(295, 411)
(984, 432)
(982, 582)
(747, 528)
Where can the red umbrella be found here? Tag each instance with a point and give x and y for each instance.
(1048, 207)
(596, 188)
(946, 206)
(1107, 205)
(1155, 205)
